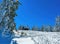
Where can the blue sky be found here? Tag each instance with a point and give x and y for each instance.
(37, 12)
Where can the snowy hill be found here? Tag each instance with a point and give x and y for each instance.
(36, 37)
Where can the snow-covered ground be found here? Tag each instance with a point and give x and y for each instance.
(36, 37)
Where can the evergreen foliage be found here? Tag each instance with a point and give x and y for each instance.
(7, 13)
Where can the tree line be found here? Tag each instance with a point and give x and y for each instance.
(44, 28)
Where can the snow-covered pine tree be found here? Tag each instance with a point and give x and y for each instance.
(58, 24)
(35, 28)
(48, 28)
(42, 28)
(7, 13)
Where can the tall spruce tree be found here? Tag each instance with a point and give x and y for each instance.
(7, 13)
(58, 24)
(42, 28)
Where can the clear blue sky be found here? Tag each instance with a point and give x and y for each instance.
(37, 12)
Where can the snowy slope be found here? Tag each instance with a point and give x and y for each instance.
(36, 37)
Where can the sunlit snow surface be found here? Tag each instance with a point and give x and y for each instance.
(36, 37)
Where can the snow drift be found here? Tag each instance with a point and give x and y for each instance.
(36, 37)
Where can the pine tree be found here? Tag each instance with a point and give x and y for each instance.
(35, 28)
(57, 24)
(48, 28)
(42, 28)
(7, 13)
